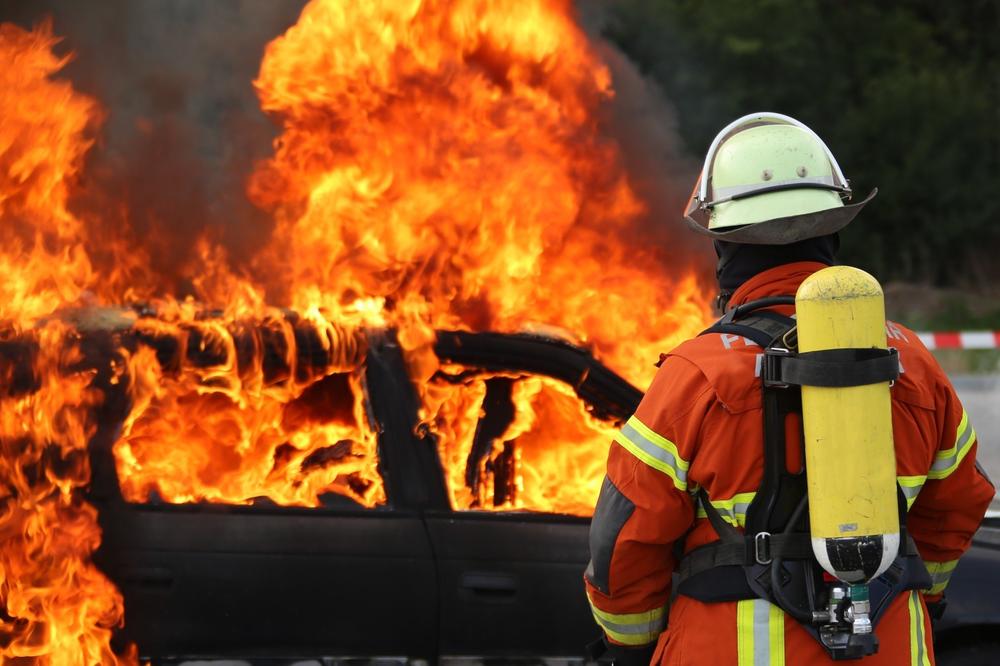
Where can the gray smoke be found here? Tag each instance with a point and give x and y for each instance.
(183, 127)
(644, 123)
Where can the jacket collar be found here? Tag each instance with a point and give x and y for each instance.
(781, 280)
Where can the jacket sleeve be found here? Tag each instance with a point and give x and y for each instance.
(645, 506)
(954, 497)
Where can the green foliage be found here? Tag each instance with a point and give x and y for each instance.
(906, 94)
(954, 315)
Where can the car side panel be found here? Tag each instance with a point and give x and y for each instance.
(218, 581)
(511, 584)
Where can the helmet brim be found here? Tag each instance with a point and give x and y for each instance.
(782, 230)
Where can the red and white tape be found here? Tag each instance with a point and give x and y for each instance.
(961, 339)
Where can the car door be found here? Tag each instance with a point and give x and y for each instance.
(211, 580)
(511, 558)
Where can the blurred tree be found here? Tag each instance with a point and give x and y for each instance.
(906, 94)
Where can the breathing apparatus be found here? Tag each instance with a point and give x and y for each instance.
(771, 188)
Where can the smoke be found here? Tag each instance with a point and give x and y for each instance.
(183, 126)
(644, 123)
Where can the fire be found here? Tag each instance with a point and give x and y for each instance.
(226, 426)
(54, 604)
(43, 259)
(441, 165)
(447, 159)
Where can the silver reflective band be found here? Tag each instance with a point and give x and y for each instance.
(724, 194)
(910, 493)
(652, 627)
(942, 467)
(761, 633)
(760, 628)
(631, 628)
(733, 510)
(941, 577)
(918, 651)
(656, 454)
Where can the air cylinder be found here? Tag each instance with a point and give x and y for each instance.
(850, 460)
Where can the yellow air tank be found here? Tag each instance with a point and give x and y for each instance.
(850, 461)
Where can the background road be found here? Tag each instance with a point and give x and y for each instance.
(980, 394)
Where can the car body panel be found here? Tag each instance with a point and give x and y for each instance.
(271, 582)
(973, 593)
(512, 584)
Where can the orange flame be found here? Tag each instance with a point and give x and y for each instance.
(445, 161)
(442, 165)
(54, 604)
(42, 143)
(226, 431)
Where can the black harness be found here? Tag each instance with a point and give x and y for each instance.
(773, 558)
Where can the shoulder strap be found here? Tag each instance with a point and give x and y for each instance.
(752, 321)
(763, 328)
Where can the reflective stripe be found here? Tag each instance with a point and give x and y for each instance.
(631, 628)
(918, 648)
(940, 575)
(911, 486)
(760, 633)
(945, 462)
(732, 510)
(725, 193)
(656, 451)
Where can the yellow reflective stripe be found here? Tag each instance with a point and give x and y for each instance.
(631, 628)
(776, 631)
(918, 648)
(760, 633)
(656, 451)
(940, 575)
(744, 632)
(732, 510)
(911, 486)
(945, 462)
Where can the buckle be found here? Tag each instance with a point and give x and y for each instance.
(771, 372)
(762, 547)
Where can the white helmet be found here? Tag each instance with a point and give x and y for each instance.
(768, 179)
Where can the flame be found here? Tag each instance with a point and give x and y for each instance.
(232, 429)
(447, 159)
(41, 151)
(54, 604)
(441, 165)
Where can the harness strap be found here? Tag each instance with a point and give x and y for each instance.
(835, 367)
(737, 549)
(763, 327)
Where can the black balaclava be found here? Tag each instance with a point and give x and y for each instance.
(738, 262)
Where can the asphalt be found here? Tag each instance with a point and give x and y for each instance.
(980, 394)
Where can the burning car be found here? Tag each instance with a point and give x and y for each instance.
(437, 167)
(365, 469)
(436, 565)
(412, 574)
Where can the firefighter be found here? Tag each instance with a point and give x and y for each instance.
(699, 543)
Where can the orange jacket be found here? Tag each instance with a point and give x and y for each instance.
(700, 425)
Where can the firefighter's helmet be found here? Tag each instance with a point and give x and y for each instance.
(768, 179)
